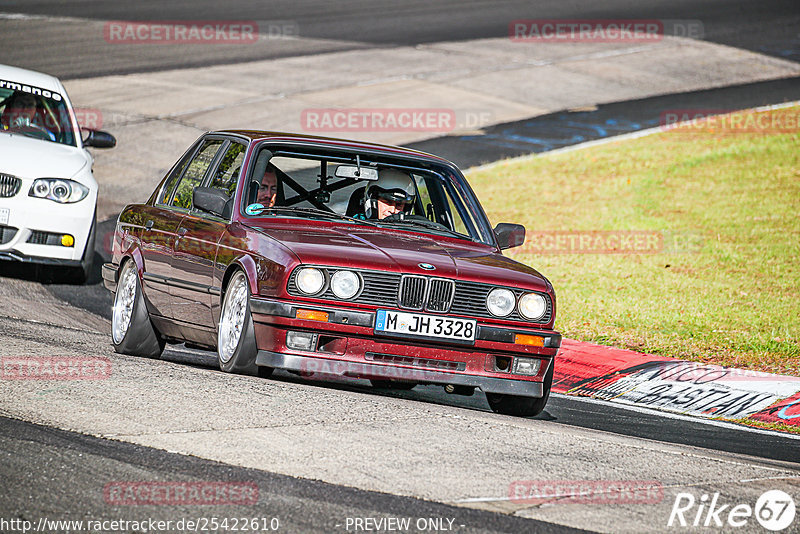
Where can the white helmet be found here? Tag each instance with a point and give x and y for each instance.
(392, 185)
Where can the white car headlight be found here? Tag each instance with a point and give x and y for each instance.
(532, 306)
(310, 280)
(58, 190)
(500, 302)
(345, 284)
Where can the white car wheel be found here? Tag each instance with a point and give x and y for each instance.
(236, 339)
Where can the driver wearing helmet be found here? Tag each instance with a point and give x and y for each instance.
(392, 193)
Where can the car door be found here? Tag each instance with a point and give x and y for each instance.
(164, 229)
(193, 290)
(157, 239)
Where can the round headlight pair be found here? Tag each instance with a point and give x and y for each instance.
(58, 190)
(500, 303)
(344, 284)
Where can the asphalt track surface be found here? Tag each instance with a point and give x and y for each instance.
(771, 28)
(734, 23)
(65, 481)
(578, 412)
(54, 472)
(567, 128)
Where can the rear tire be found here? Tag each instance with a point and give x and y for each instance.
(522, 406)
(236, 338)
(132, 332)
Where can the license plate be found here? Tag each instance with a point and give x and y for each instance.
(4, 213)
(420, 325)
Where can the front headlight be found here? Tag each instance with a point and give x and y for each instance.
(345, 284)
(58, 190)
(310, 280)
(532, 306)
(500, 302)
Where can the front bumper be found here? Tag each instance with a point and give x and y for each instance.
(29, 218)
(313, 365)
(15, 256)
(346, 345)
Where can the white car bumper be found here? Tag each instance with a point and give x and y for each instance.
(31, 229)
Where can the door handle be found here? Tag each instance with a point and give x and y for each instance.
(148, 225)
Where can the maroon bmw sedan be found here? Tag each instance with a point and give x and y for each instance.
(333, 257)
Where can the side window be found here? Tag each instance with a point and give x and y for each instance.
(436, 202)
(169, 186)
(443, 203)
(424, 198)
(458, 222)
(227, 174)
(194, 174)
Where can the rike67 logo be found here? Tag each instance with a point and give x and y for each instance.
(774, 510)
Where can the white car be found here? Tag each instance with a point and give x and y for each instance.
(48, 194)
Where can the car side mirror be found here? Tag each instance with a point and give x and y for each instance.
(509, 235)
(100, 139)
(210, 200)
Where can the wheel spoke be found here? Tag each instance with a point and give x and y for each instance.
(123, 304)
(233, 317)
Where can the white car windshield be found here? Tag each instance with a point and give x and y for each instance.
(35, 113)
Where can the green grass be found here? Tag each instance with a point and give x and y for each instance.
(777, 427)
(733, 298)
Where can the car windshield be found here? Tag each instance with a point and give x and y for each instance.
(395, 197)
(35, 112)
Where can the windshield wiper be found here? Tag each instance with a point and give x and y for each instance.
(424, 223)
(316, 211)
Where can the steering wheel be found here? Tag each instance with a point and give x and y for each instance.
(34, 129)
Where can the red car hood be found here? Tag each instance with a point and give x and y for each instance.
(360, 247)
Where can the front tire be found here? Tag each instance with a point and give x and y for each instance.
(522, 406)
(84, 272)
(236, 338)
(132, 332)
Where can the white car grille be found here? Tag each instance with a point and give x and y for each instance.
(9, 185)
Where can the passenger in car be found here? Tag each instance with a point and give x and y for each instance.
(391, 194)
